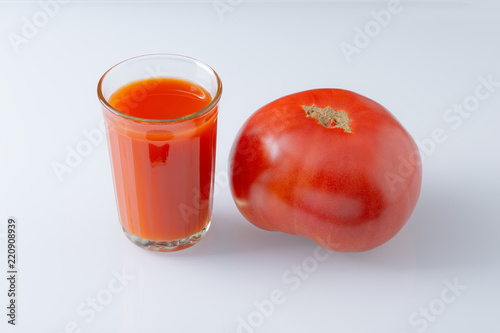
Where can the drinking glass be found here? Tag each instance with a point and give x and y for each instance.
(163, 169)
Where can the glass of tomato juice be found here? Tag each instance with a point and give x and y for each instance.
(161, 119)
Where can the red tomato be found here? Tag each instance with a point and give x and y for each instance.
(348, 187)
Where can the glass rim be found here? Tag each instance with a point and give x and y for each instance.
(213, 103)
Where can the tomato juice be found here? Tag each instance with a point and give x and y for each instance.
(162, 142)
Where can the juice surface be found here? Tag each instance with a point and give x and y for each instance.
(160, 98)
(163, 171)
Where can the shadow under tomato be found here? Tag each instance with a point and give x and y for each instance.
(450, 229)
(455, 227)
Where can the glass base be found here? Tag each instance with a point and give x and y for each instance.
(167, 246)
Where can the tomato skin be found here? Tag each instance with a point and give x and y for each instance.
(345, 191)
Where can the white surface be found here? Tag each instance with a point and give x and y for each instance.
(428, 58)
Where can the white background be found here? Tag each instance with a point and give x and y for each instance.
(429, 57)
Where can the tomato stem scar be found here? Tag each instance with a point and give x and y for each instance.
(328, 117)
